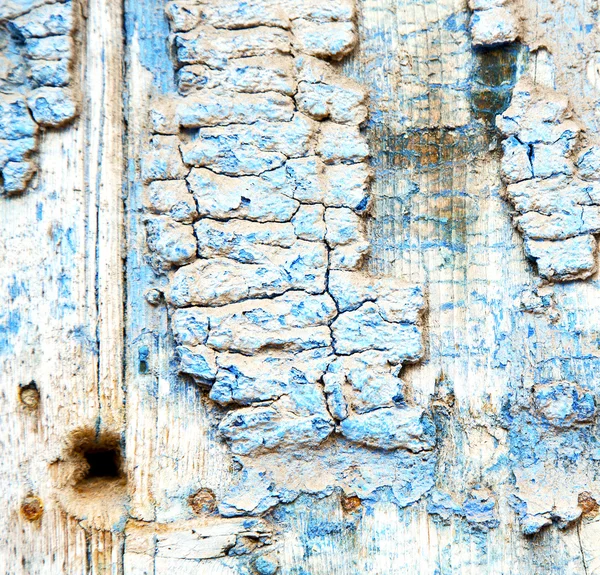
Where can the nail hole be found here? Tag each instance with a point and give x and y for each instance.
(29, 395)
(143, 354)
(350, 503)
(32, 508)
(203, 502)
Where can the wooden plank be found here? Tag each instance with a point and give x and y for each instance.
(439, 220)
(103, 118)
(171, 449)
(48, 224)
(62, 278)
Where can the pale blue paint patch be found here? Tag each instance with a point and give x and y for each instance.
(16, 288)
(10, 325)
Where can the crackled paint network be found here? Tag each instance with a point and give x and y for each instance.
(551, 178)
(257, 194)
(549, 168)
(38, 89)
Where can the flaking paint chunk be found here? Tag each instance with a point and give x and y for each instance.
(221, 281)
(298, 419)
(391, 428)
(52, 106)
(558, 208)
(249, 149)
(269, 375)
(212, 109)
(37, 89)
(172, 198)
(293, 321)
(252, 75)
(324, 39)
(564, 404)
(52, 19)
(493, 25)
(264, 198)
(215, 47)
(569, 259)
(171, 243)
(162, 160)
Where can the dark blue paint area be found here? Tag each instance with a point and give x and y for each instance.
(495, 73)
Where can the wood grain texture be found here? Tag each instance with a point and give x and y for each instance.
(171, 450)
(62, 274)
(75, 317)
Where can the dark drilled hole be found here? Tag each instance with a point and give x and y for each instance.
(143, 354)
(103, 463)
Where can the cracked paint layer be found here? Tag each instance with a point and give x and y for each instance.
(554, 449)
(38, 87)
(440, 217)
(257, 199)
(551, 180)
(259, 215)
(547, 165)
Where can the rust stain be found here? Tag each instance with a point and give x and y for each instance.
(350, 503)
(589, 506)
(203, 502)
(32, 508)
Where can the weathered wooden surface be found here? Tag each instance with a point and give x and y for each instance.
(62, 278)
(78, 319)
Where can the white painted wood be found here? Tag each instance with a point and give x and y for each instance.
(61, 251)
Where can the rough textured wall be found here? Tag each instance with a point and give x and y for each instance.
(440, 191)
(356, 328)
(428, 217)
(442, 218)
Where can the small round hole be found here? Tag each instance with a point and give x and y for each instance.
(29, 395)
(32, 508)
(90, 477)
